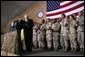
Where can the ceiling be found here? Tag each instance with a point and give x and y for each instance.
(11, 8)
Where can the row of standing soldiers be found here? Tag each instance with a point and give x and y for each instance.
(65, 35)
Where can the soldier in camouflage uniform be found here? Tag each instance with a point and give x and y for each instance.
(42, 35)
(39, 35)
(56, 34)
(35, 41)
(64, 33)
(73, 34)
(80, 30)
(49, 34)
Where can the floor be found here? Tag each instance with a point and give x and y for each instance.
(39, 52)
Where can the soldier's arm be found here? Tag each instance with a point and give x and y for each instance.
(75, 24)
(50, 26)
(58, 27)
(61, 22)
(82, 21)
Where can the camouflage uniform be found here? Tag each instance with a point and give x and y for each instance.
(42, 35)
(49, 35)
(39, 37)
(80, 30)
(73, 35)
(35, 44)
(64, 34)
(56, 34)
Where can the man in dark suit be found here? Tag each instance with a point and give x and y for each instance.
(27, 26)
(28, 31)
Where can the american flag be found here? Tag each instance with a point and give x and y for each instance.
(56, 8)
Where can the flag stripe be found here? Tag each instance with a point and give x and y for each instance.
(68, 13)
(73, 8)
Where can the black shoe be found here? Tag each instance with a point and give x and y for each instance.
(28, 50)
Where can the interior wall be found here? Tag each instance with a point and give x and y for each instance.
(32, 11)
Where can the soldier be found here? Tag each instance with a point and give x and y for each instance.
(56, 34)
(38, 35)
(80, 30)
(75, 16)
(35, 28)
(68, 35)
(49, 34)
(73, 34)
(42, 34)
(64, 33)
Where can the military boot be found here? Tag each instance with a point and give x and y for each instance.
(62, 49)
(82, 50)
(72, 49)
(66, 49)
(75, 50)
